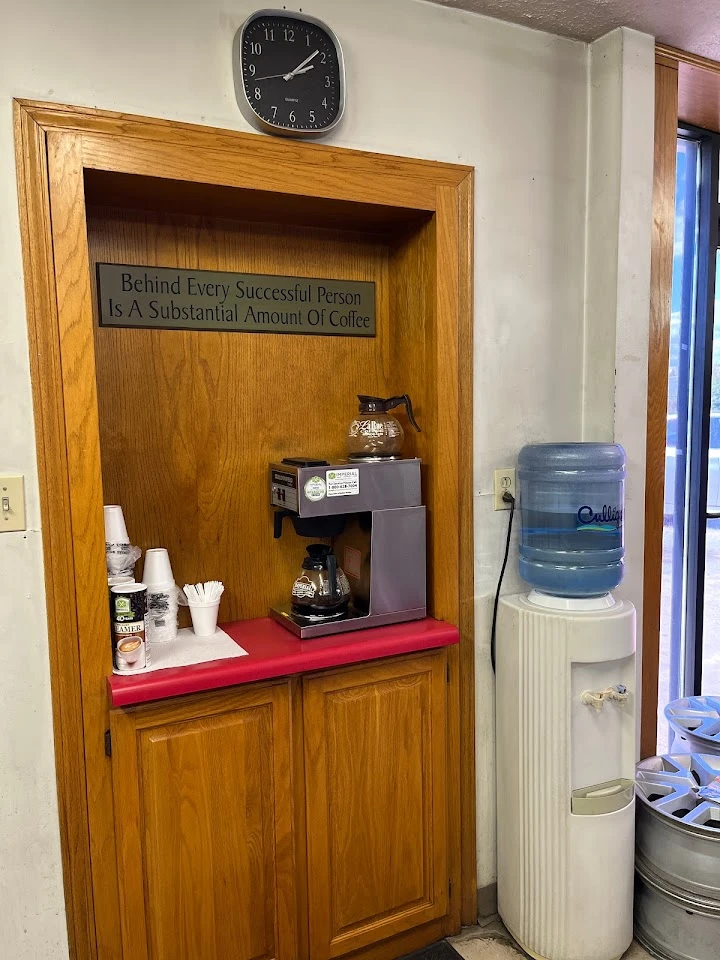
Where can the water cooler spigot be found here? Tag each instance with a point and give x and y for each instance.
(618, 693)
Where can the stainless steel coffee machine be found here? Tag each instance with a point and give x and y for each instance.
(372, 513)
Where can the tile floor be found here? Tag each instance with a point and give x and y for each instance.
(493, 942)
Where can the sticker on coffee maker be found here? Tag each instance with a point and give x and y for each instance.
(343, 483)
(352, 562)
(315, 488)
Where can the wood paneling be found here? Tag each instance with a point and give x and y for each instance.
(376, 779)
(203, 808)
(189, 421)
(699, 96)
(666, 79)
(261, 206)
(425, 231)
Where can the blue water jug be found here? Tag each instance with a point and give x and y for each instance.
(572, 499)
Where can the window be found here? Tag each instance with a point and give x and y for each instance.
(690, 605)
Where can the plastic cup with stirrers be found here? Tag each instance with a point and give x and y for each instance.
(204, 602)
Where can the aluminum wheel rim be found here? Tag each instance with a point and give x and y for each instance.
(668, 787)
(697, 717)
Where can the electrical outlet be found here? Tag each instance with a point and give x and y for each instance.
(12, 502)
(504, 483)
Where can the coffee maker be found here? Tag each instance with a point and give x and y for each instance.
(373, 514)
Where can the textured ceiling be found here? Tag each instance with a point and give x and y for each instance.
(692, 25)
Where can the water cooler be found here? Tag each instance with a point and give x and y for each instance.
(565, 678)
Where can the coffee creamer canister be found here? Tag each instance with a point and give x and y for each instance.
(128, 609)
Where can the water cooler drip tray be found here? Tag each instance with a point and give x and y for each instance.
(602, 797)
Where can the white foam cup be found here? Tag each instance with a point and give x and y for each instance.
(157, 572)
(115, 529)
(115, 581)
(204, 617)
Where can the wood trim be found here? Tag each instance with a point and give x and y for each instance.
(464, 663)
(699, 96)
(54, 144)
(698, 86)
(254, 172)
(77, 357)
(46, 375)
(270, 150)
(662, 59)
(670, 55)
(299, 814)
(666, 119)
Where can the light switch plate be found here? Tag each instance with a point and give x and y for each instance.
(12, 502)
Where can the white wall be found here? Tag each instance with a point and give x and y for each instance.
(612, 327)
(621, 132)
(620, 169)
(422, 81)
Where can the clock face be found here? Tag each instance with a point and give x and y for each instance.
(291, 73)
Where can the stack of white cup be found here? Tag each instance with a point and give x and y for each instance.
(120, 555)
(162, 596)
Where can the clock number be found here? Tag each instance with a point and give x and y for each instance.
(274, 110)
(323, 58)
(327, 81)
(257, 93)
(251, 69)
(289, 35)
(292, 116)
(312, 116)
(269, 34)
(256, 48)
(324, 102)
(307, 37)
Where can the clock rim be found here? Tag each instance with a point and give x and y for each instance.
(243, 102)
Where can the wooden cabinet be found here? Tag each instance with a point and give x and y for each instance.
(376, 811)
(305, 819)
(204, 827)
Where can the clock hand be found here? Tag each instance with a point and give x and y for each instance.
(272, 76)
(297, 73)
(298, 68)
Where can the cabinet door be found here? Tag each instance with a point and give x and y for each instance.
(375, 780)
(203, 817)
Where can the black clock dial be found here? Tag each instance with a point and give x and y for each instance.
(290, 73)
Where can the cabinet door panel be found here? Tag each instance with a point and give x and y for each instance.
(375, 752)
(204, 824)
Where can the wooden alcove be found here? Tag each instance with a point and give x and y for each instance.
(179, 426)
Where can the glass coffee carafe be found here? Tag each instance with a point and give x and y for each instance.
(322, 590)
(375, 433)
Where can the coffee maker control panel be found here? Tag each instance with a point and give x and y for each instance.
(283, 487)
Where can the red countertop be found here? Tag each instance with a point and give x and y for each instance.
(275, 652)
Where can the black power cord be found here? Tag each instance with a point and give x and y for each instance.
(507, 498)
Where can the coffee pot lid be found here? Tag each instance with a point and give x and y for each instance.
(317, 557)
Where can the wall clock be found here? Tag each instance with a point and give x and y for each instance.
(289, 74)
